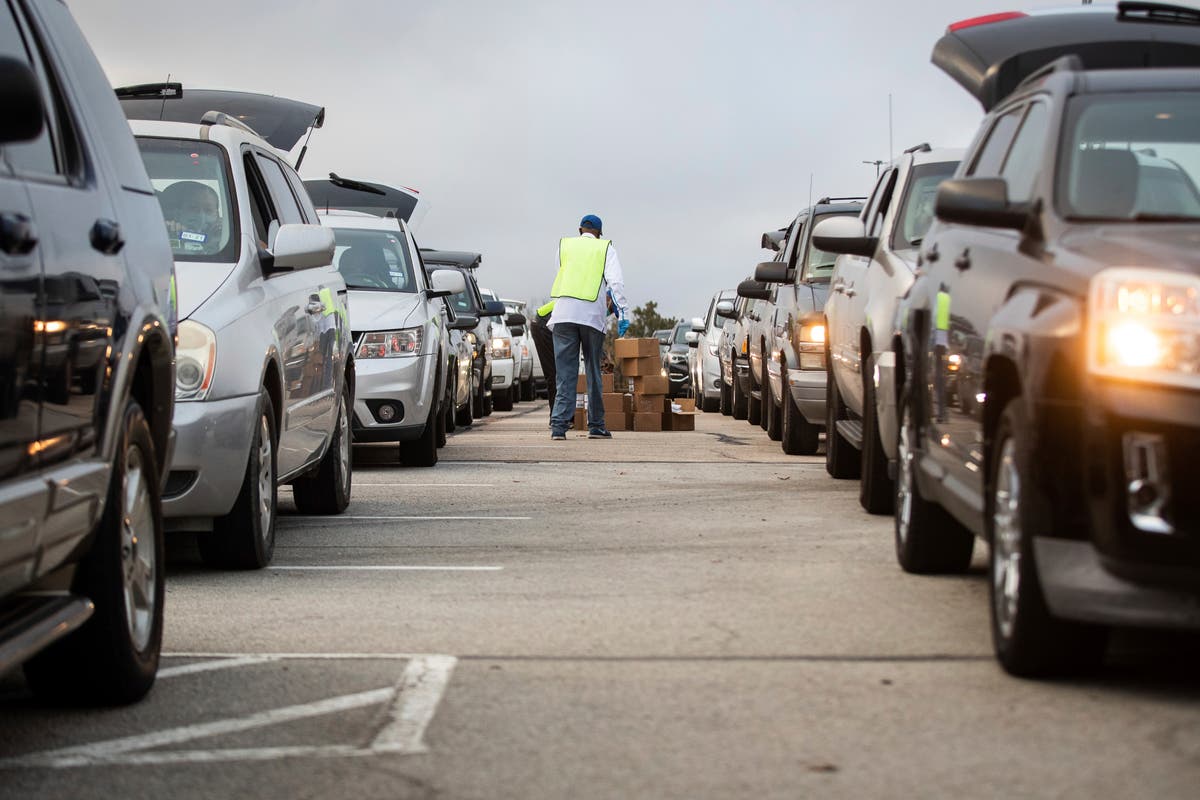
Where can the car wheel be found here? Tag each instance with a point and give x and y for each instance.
(774, 416)
(502, 399)
(113, 658)
(422, 451)
(327, 491)
(877, 492)
(928, 539)
(245, 537)
(527, 392)
(439, 431)
(1029, 641)
(764, 390)
(741, 400)
(799, 437)
(725, 400)
(753, 406)
(842, 459)
(463, 417)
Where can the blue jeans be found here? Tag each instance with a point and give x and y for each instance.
(569, 338)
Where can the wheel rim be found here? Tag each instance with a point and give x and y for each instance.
(904, 482)
(266, 477)
(344, 448)
(1006, 541)
(139, 566)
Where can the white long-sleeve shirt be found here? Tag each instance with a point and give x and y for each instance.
(593, 313)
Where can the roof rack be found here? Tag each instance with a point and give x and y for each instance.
(923, 147)
(1067, 63)
(221, 118)
(1131, 11)
(824, 201)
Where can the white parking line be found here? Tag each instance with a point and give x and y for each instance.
(406, 518)
(417, 697)
(390, 568)
(212, 666)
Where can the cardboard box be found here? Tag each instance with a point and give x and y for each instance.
(614, 405)
(648, 422)
(649, 384)
(679, 422)
(581, 419)
(635, 348)
(608, 383)
(635, 367)
(650, 404)
(616, 422)
(686, 404)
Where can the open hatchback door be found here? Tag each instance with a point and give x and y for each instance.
(376, 199)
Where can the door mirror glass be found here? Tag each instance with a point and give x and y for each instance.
(844, 235)
(445, 282)
(24, 116)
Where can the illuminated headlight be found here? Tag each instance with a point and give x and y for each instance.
(390, 344)
(812, 346)
(502, 348)
(195, 360)
(1145, 324)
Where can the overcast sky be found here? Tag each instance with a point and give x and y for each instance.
(690, 128)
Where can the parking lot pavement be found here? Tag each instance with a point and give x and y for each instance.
(666, 615)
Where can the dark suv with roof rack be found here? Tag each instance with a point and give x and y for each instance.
(1049, 349)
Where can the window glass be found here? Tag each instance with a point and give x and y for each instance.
(795, 237)
(916, 215)
(1024, 158)
(875, 221)
(306, 205)
(819, 264)
(281, 192)
(681, 332)
(35, 156)
(1132, 156)
(987, 163)
(373, 260)
(260, 203)
(191, 179)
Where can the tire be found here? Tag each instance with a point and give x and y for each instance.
(799, 437)
(774, 415)
(502, 399)
(464, 416)
(741, 400)
(327, 490)
(439, 431)
(928, 540)
(1028, 640)
(113, 658)
(477, 401)
(725, 400)
(764, 389)
(422, 451)
(245, 537)
(877, 492)
(527, 390)
(842, 459)
(708, 405)
(754, 408)
(488, 403)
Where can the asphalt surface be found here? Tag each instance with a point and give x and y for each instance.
(661, 615)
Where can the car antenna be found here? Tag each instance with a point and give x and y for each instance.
(810, 185)
(163, 108)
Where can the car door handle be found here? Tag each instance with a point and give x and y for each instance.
(964, 259)
(851, 291)
(18, 237)
(106, 236)
(839, 285)
(932, 254)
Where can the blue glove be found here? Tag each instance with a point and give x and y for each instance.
(622, 326)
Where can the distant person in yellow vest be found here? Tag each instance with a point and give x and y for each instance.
(586, 265)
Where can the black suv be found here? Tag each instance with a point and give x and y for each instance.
(87, 375)
(1050, 346)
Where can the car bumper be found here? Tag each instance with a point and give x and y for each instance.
(741, 374)
(680, 379)
(808, 392)
(502, 373)
(405, 384)
(212, 445)
(710, 375)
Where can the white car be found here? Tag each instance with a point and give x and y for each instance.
(505, 360)
(875, 269)
(401, 343)
(705, 363)
(523, 346)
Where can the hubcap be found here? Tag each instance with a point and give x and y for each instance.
(904, 484)
(266, 477)
(1006, 541)
(138, 567)
(344, 447)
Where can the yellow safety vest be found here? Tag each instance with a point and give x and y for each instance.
(580, 268)
(546, 310)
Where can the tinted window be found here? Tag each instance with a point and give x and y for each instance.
(373, 260)
(874, 221)
(36, 156)
(817, 263)
(191, 179)
(281, 191)
(916, 214)
(987, 163)
(1024, 160)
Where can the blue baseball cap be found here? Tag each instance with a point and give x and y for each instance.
(591, 221)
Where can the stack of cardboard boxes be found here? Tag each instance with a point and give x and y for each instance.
(642, 403)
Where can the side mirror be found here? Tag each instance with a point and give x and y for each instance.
(445, 282)
(725, 310)
(692, 338)
(515, 320)
(844, 235)
(773, 240)
(493, 308)
(24, 115)
(463, 322)
(698, 324)
(300, 247)
(980, 201)
(753, 290)
(773, 272)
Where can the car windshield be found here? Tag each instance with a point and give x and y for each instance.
(917, 212)
(192, 182)
(373, 260)
(1132, 157)
(681, 332)
(819, 264)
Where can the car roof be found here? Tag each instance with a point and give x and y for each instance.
(990, 56)
(938, 155)
(225, 135)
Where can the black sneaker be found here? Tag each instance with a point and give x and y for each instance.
(558, 436)
(602, 433)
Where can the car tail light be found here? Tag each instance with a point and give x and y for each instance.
(986, 19)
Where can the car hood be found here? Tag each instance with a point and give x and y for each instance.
(990, 56)
(384, 311)
(196, 281)
(1162, 246)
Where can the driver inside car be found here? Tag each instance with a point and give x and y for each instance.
(365, 266)
(193, 216)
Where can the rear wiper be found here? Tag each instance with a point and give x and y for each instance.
(1145, 216)
(347, 183)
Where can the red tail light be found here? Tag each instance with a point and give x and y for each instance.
(986, 19)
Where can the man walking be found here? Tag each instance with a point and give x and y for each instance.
(585, 264)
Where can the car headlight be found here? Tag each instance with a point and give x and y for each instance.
(678, 358)
(502, 347)
(812, 346)
(195, 360)
(1144, 324)
(390, 344)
